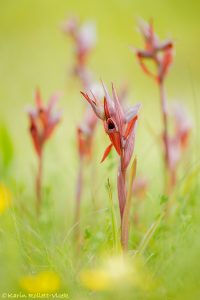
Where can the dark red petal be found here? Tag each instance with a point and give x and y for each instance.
(106, 110)
(130, 126)
(144, 68)
(165, 64)
(107, 151)
(116, 141)
(35, 138)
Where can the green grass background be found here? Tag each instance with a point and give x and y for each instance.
(34, 52)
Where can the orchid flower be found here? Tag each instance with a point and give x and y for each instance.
(161, 54)
(120, 126)
(179, 140)
(84, 39)
(42, 122)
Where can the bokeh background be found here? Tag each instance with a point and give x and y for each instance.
(35, 52)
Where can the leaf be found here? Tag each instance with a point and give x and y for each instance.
(149, 234)
(163, 199)
(113, 219)
(6, 147)
(106, 153)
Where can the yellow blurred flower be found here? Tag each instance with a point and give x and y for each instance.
(5, 198)
(116, 273)
(96, 280)
(43, 282)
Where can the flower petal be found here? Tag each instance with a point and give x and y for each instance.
(119, 114)
(130, 126)
(98, 109)
(129, 144)
(107, 151)
(132, 112)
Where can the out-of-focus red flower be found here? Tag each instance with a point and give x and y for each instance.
(42, 121)
(179, 140)
(140, 186)
(85, 132)
(119, 125)
(84, 39)
(161, 53)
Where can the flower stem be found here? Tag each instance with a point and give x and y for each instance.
(121, 182)
(38, 184)
(163, 102)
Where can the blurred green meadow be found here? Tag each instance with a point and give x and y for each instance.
(34, 52)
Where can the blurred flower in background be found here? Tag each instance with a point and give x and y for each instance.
(84, 40)
(5, 198)
(43, 282)
(116, 273)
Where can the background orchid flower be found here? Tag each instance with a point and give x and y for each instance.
(84, 40)
(161, 54)
(120, 126)
(139, 189)
(179, 139)
(42, 122)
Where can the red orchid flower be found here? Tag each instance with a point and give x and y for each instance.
(42, 124)
(42, 121)
(120, 127)
(161, 53)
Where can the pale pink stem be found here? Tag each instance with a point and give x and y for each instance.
(122, 194)
(38, 184)
(121, 185)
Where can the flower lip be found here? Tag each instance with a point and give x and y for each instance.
(111, 126)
